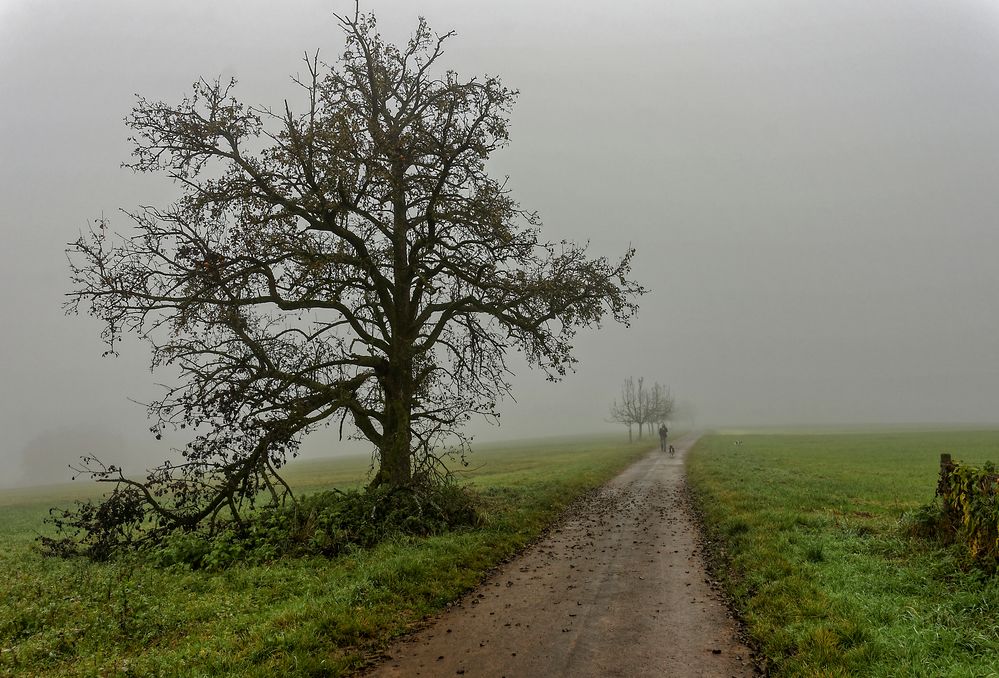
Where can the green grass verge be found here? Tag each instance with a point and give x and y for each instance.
(291, 617)
(807, 531)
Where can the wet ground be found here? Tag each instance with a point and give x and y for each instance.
(619, 588)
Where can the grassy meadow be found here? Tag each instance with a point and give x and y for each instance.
(291, 617)
(809, 530)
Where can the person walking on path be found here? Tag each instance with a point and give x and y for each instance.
(663, 433)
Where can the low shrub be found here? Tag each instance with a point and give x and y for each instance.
(326, 523)
(969, 498)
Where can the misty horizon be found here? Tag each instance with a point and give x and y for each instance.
(809, 188)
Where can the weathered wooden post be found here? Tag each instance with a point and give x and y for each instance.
(946, 466)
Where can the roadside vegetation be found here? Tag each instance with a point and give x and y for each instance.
(817, 540)
(145, 614)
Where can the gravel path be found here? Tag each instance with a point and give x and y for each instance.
(618, 589)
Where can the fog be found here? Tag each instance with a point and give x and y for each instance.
(811, 187)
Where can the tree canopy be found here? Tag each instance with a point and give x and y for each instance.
(352, 262)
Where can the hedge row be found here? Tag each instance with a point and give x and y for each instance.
(970, 498)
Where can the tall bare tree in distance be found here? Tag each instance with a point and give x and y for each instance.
(353, 262)
(659, 405)
(624, 409)
(641, 406)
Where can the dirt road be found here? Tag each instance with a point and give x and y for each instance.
(618, 589)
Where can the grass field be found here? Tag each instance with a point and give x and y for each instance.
(293, 617)
(819, 564)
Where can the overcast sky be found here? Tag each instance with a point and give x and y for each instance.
(811, 186)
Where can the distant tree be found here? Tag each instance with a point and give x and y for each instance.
(353, 262)
(658, 405)
(624, 409)
(46, 457)
(685, 410)
(641, 406)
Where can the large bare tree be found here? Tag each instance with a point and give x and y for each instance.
(352, 261)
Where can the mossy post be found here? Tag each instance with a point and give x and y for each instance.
(946, 466)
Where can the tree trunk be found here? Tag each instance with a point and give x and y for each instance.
(397, 385)
(396, 466)
(395, 450)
